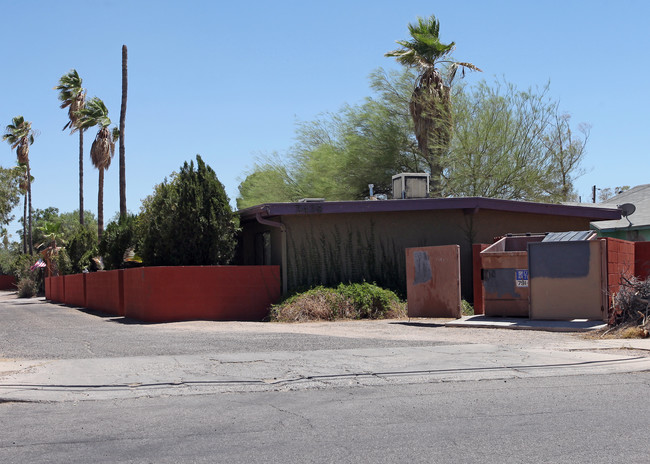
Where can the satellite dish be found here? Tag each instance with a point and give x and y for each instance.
(627, 209)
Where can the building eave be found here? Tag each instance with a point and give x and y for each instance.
(469, 204)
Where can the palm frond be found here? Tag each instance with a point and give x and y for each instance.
(425, 48)
(19, 135)
(94, 113)
(72, 96)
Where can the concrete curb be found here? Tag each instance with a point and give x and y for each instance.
(576, 325)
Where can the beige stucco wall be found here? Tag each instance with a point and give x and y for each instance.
(331, 248)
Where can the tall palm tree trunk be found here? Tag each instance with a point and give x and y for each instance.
(81, 177)
(29, 192)
(100, 205)
(25, 225)
(122, 124)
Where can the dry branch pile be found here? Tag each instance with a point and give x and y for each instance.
(631, 304)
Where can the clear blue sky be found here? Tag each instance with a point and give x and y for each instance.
(229, 81)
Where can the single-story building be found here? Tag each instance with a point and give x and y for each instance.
(636, 226)
(323, 242)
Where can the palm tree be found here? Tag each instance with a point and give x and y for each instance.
(121, 132)
(430, 105)
(73, 96)
(20, 136)
(102, 149)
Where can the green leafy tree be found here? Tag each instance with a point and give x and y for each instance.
(267, 183)
(506, 143)
(9, 194)
(73, 96)
(566, 148)
(81, 248)
(95, 113)
(122, 242)
(604, 194)
(430, 104)
(188, 220)
(69, 223)
(20, 135)
(512, 144)
(337, 155)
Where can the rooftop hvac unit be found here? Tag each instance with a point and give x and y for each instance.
(411, 185)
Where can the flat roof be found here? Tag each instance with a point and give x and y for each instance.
(472, 204)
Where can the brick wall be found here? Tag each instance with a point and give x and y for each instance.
(642, 259)
(620, 263)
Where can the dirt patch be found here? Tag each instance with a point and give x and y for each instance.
(8, 294)
(620, 351)
(625, 331)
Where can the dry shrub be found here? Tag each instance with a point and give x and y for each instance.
(632, 332)
(353, 301)
(27, 287)
(630, 317)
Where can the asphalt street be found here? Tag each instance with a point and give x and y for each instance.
(78, 386)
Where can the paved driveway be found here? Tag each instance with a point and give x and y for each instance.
(55, 352)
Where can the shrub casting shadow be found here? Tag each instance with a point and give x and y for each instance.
(419, 324)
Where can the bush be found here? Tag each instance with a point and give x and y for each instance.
(7, 259)
(61, 263)
(352, 301)
(466, 308)
(120, 236)
(188, 221)
(81, 247)
(29, 282)
(21, 266)
(27, 287)
(369, 300)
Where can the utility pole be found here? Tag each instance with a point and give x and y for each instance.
(593, 194)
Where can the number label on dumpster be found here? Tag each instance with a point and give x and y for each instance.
(521, 277)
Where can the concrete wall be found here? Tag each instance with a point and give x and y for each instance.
(326, 249)
(7, 282)
(75, 290)
(105, 292)
(55, 289)
(162, 294)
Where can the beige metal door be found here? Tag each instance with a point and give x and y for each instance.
(566, 280)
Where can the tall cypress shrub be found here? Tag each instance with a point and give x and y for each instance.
(189, 220)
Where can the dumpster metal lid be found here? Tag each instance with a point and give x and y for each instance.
(573, 236)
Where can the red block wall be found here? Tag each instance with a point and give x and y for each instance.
(7, 282)
(75, 289)
(620, 262)
(642, 259)
(57, 289)
(104, 292)
(164, 294)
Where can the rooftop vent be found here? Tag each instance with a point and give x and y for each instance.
(411, 185)
(311, 200)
